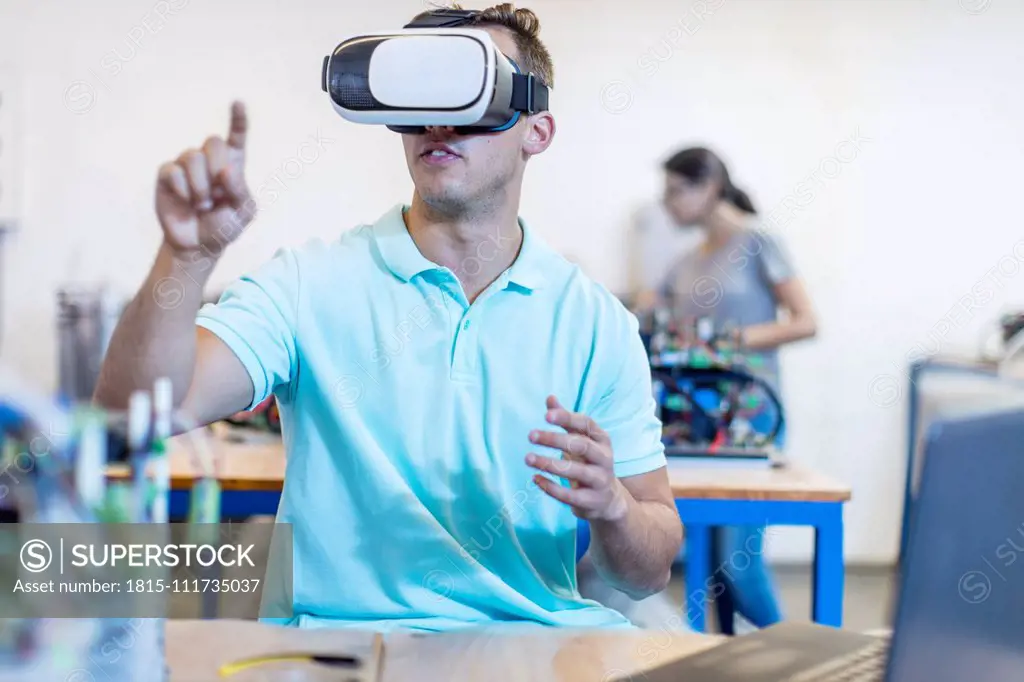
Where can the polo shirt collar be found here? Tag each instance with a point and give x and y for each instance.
(527, 271)
(403, 258)
(397, 248)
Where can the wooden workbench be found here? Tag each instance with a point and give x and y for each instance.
(246, 461)
(258, 463)
(793, 482)
(196, 649)
(252, 476)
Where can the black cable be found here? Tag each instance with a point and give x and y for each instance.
(717, 374)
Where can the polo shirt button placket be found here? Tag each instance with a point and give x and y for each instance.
(464, 360)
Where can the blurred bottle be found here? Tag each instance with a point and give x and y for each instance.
(741, 432)
(705, 330)
(659, 335)
(86, 318)
(689, 328)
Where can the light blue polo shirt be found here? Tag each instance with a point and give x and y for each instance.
(406, 414)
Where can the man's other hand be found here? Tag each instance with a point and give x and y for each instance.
(587, 463)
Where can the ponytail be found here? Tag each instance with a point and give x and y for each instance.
(738, 198)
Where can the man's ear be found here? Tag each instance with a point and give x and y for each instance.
(540, 132)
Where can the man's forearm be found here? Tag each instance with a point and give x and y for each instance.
(635, 553)
(156, 335)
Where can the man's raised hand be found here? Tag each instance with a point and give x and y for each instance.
(202, 200)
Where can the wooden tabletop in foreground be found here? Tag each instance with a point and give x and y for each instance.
(255, 463)
(793, 482)
(258, 463)
(196, 649)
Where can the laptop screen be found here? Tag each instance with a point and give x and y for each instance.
(961, 605)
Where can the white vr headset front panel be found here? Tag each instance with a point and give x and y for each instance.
(454, 77)
(430, 72)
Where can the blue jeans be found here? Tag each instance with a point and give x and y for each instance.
(739, 566)
(739, 563)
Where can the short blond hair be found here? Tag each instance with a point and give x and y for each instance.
(524, 26)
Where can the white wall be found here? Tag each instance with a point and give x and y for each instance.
(888, 240)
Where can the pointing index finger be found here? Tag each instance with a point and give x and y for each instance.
(239, 126)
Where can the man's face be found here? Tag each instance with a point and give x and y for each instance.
(459, 173)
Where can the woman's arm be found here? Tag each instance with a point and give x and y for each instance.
(799, 322)
(646, 300)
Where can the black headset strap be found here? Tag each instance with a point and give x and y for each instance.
(528, 93)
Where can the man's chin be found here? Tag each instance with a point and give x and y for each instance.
(440, 190)
(443, 201)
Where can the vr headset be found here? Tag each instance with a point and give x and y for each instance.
(435, 71)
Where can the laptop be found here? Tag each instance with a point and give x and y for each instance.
(960, 608)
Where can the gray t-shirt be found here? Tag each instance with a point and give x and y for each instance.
(733, 286)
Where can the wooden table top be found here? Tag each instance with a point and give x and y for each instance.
(259, 464)
(966, 361)
(196, 649)
(256, 463)
(792, 482)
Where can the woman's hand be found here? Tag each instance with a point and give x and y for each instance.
(645, 300)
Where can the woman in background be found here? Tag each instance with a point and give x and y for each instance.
(740, 276)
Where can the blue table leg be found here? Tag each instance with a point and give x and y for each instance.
(234, 504)
(699, 516)
(177, 505)
(698, 570)
(241, 504)
(829, 571)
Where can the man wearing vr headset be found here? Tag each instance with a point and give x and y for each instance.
(454, 394)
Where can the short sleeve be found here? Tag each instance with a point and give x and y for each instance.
(626, 409)
(256, 318)
(776, 264)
